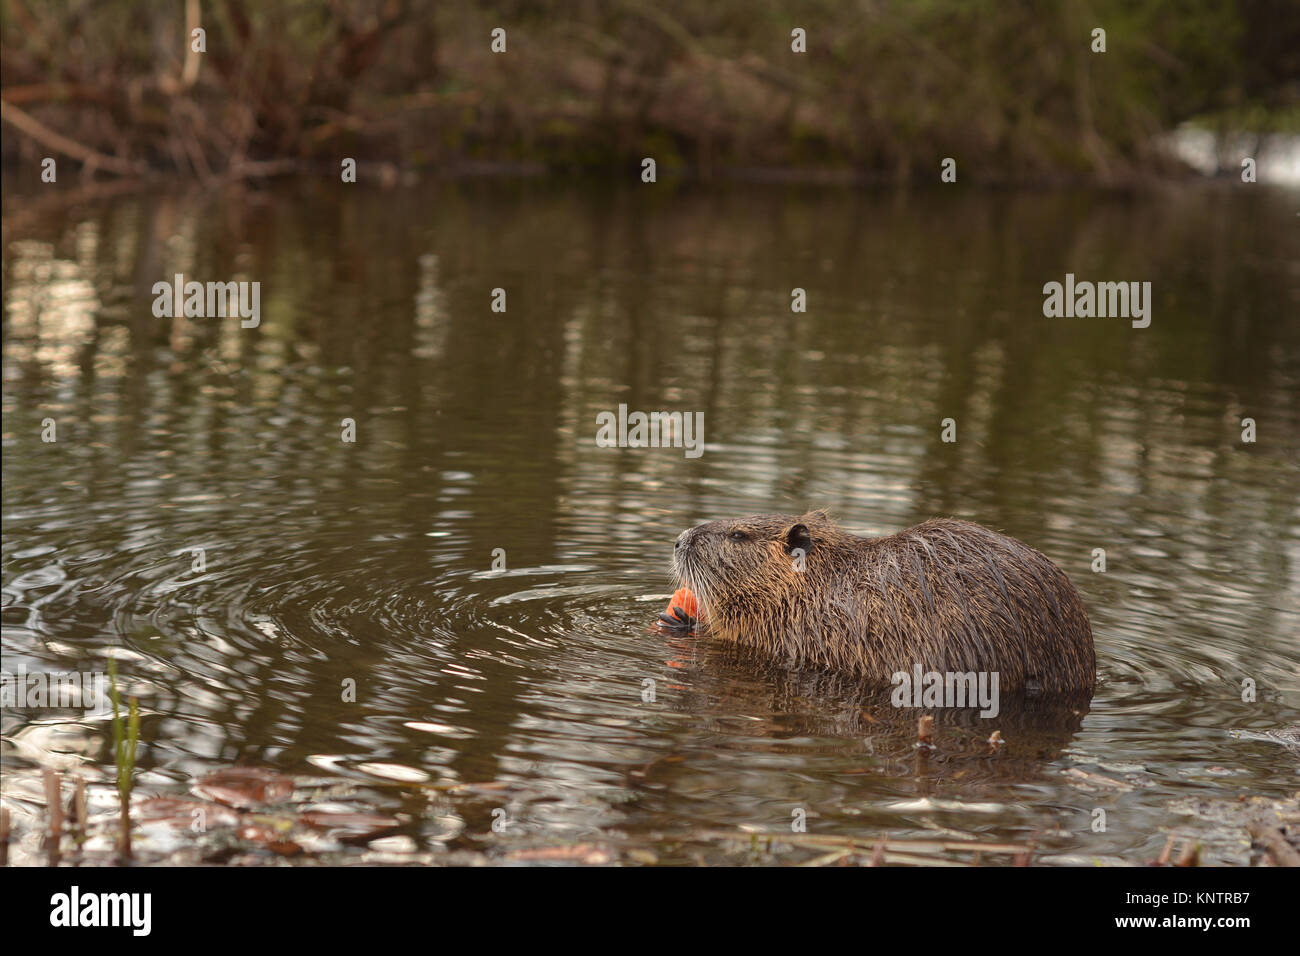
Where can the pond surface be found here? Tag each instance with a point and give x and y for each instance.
(538, 696)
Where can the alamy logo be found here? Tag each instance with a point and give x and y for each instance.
(935, 689)
(653, 430)
(102, 909)
(1124, 300)
(21, 690)
(212, 300)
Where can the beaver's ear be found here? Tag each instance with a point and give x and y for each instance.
(798, 537)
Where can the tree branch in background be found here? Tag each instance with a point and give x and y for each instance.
(92, 159)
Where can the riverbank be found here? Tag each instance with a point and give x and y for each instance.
(879, 95)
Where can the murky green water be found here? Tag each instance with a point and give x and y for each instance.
(330, 563)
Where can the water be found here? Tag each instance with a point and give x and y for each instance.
(517, 695)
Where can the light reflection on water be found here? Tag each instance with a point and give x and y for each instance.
(328, 562)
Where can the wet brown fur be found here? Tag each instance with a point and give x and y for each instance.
(950, 595)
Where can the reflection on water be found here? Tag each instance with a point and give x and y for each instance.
(200, 517)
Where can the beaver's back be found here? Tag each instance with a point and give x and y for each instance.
(954, 596)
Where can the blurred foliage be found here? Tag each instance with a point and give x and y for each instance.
(1010, 88)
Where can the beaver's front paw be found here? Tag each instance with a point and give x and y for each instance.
(679, 621)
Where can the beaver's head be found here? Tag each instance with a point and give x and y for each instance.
(747, 561)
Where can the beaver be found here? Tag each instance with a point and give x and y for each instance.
(946, 595)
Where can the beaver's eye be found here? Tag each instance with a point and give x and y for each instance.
(738, 536)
